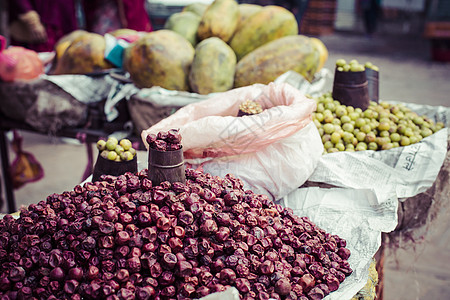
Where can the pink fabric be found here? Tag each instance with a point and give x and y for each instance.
(57, 16)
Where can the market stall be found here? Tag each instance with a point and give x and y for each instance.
(252, 187)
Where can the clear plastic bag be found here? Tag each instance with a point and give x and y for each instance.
(18, 63)
(273, 152)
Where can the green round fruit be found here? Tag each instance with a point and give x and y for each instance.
(405, 141)
(387, 146)
(360, 122)
(104, 154)
(349, 147)
(126, 144)
(341, 62)
(366, 128)
(384, 126)
(335, 137)
(340, 111)
(133, 151)
(372, 146)
(333, 150)
(318, 116)
(326, 138)
(361, 146)
(119, 149)
(126, 156)
(112, 155)
(395, 137)
(101, 145)
(348, 127)
(360, 136)
(345, 119)
(340, 146)
(328, 128)
(328, 144)
(111, 144)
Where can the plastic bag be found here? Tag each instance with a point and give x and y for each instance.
(273, 152)
(25, 168)
(19, 63)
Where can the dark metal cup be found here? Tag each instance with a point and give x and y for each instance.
(166, 166)
(105, 166)
(351, 88)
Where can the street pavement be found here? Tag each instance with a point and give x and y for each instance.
(407, 74)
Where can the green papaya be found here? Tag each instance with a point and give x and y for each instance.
(85, 54)
(270, 23)
(184, 23)
(160, 58)
(220, 20)
(266, 63)
(197, 8)
(245, 11)
(213, 67)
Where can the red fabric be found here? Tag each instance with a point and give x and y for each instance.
(57, 16)
(135, 14)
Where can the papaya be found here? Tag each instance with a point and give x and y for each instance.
(220, 20)
(266, 63)
(86, 54)
(160, 58)
(123, 32)
(197, 8)
(63, 43)
(213, 67)
(184, 23)
(245, 11)
(323, 51)
(270, 23)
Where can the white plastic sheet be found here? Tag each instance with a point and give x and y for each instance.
(273, 152)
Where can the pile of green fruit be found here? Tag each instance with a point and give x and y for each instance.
(354, 66)
(382, 126)
(114, 150)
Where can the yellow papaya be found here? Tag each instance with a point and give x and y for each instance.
(122, 32)
(159, 58)
(213, 67)
(64, 42)
(220, 20)
(245, 11)
(271, 60)
(323, 51)
(184, 23)
(270, 23)
(197, 8)
(86, 54)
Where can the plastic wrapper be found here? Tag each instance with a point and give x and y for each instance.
(273, 152)
(18, 63)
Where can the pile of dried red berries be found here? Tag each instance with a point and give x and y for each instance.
(122, 238)
(165, 140)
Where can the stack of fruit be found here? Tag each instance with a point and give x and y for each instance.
(204, 49)
(114, 150)
(382, 126)
(352, 66)
(235, 45)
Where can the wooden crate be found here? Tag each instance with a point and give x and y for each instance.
(319, 18)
